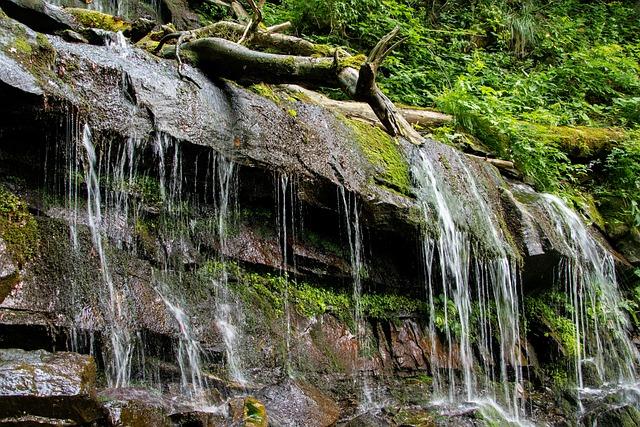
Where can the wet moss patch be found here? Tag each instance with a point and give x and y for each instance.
(266, 91)
(383, 152)
(18, 228)
(545, 312)
(94, 19)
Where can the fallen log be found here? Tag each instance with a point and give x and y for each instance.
(224, 58)
(423, 118)
(503, 165)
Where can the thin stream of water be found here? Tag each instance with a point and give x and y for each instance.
(120, 338)
(475, 294)
(227, 310)
(600, 325)
(354, 235)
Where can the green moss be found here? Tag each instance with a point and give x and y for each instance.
(384, 154)
(355, 61)
(293, 113)
(18, 228)
(324, 243)
(380, 306)
(550, 312)
(94, 19)
(266, 91)
(255, 413)
(580, 141)
(7, 283)
(415, 417)
(266, 292)
(23, 46)
(313, 301)
(35, 54)
(323, 50)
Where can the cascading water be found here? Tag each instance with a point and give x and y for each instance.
(600, 325)
(354, 236)
(116, 186)
(124, 8)
(468, 296)
(285, 217)
(227, 313)
(116, 315)
(192, 381)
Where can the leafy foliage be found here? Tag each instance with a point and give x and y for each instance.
(510, 73)
(619, 186)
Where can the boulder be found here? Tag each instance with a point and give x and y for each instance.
(132, 407)
(45, 385)
(39, 15)
(290, 402)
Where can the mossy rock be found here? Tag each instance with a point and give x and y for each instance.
(624, 416)
(266, 91)
(582, 141)
(18, 228)
(7, 283)
(32, 50)
(383, 152)
(254, 413)
(94, 19)
(545, 310)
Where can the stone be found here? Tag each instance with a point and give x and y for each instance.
(290, 402)
(178, 13)
(130, 407)
(51, 385)
(140, 28)
(13, 75)
(39, 15)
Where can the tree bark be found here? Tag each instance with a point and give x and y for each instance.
(423, 118)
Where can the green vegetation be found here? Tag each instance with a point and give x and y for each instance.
(266, 91)
(267, 293)
(553, 86)
(551, 313)
(18, 228)
(632, 303)
(392, 170)
(388, 306)
(94, 19)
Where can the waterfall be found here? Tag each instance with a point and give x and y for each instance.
(192, 382)
(285, 217)
(589, 279)
(224, 189)
(118, 190)
(117, 328)
(354, 236)
(123, 8)
(475, 303)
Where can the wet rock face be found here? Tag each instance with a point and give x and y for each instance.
(290, 402)
(134, 408)
(315, 145)
(39, 15)
(51, 385)
(123, 94)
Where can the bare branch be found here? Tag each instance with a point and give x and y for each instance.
(164, 40)
(253, 23)
(279, 28)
